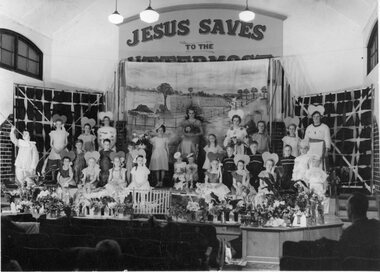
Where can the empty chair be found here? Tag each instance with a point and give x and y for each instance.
(359, 263)
(43, 259)
(306, 264)
(66, 240)
(36, 240)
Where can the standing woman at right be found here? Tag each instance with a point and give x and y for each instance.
(318, 134)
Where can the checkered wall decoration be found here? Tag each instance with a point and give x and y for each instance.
(34, 112)
(349, 116)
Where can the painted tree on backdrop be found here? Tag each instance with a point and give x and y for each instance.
(166, 90)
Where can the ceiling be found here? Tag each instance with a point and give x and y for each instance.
(49, 16)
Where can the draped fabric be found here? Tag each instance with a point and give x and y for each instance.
(34, 112)
(349, 116)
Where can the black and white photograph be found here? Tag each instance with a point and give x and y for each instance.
(184, 135)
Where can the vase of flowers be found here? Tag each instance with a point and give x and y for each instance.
(192, 208)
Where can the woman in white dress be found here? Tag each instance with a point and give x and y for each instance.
(212, 146)
(159, 162)
(235, 130)
(318, 134)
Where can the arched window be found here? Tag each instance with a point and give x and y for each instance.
(372, 50)
(19, 54)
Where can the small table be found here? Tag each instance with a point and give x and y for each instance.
(264, 244)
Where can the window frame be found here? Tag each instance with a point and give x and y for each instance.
(30, 44)
(373, 39)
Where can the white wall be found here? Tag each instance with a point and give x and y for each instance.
(85, 50)
(328, 48)
(373, 77)
(8, 78)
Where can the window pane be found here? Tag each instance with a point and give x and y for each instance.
(7, 42)
(33, 54)
(33, 67)
(21, 63)
(22, 48)
(7, 57)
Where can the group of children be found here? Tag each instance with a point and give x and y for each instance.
(242, 164)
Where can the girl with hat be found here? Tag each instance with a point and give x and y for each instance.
(87, 136)
(267, 177)
(117, 174)
(159, 162)
(91, 172)
(292, 138)
(213, 178)
(106, 131)
(58, 143)
(240, 176)
(301, 163)
(318, 134)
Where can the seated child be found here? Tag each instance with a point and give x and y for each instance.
(213, 178)
(228, 166)
(287, 164)
(301, 163)
(179, 176)
(139, 175)
(117, 180)
(91, 172)
(267, 177)
(191, 171)
(79, 161)
(240, 176)
(255, 165)
(316, 177)
(65, 177)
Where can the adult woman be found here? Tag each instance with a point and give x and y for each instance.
(318, 134)
(106, 131)
(235, 130)
(192, 121)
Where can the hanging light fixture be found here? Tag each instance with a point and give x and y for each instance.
(149, 15)
(115, 17)
(246, 15)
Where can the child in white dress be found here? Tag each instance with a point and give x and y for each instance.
(191, 171)
(212, 146)
(91, 172)
(315, 176)
(301, 163)
(140, 175)
(87, 137)
(117, 177)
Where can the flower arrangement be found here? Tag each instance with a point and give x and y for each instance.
(96, 204)
(24, 205)
(54, 204)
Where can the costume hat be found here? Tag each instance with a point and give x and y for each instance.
(119, 154)
(291, 121)
(68, 154)
(270, 156)
(56, 117)
(313, 109)
(241, 157)
(86, 120)
(92, 155)
(103, 114)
